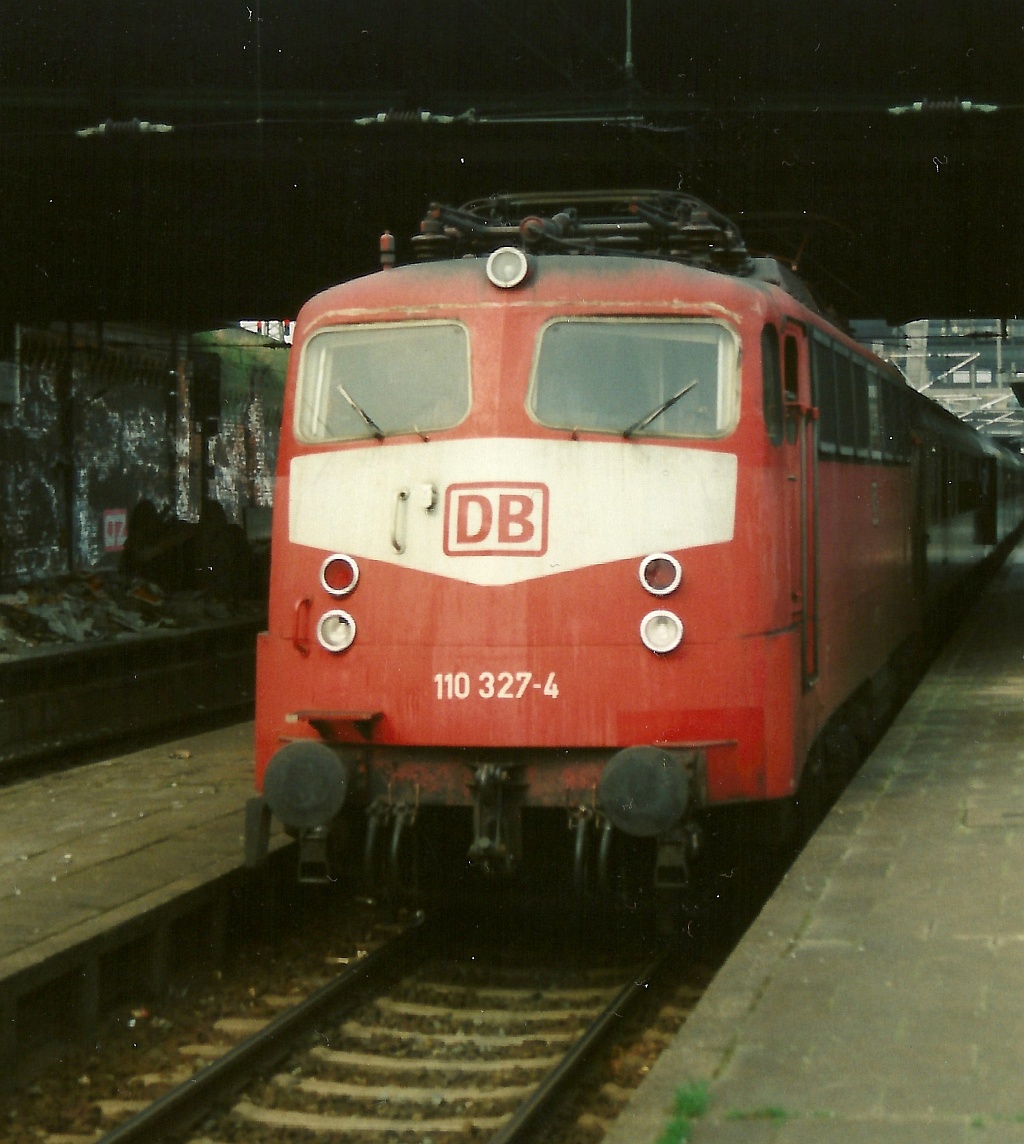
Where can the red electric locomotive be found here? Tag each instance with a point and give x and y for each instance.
(590, 517)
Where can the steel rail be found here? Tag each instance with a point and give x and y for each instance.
(180, 1107)
(524, 1120)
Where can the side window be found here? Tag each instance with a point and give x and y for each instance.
(824, 396)
(862, 412)
(790, 369)
(846, 412)
(791, 381)
(876, 414)
(772, 384)
(862, 438)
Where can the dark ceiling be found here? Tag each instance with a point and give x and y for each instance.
(269, 188)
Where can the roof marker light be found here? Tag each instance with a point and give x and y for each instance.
(660, 573)
(661, 631)
(507, 267)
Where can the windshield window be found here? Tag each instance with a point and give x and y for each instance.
(651, 378)
(382, 380)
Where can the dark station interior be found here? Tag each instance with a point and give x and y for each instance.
(186, 165)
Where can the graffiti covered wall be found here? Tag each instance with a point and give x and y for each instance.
(99, 420)
(242, 452)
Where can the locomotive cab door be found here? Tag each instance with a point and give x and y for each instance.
(801, 444)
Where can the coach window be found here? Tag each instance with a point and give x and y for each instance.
(382, 380)
(890, 420)
(886, 425)
(945, 483)
(895, 438)
(933, 483)
(902, 431)
(636, 377)
(772, 384)
(824, 396)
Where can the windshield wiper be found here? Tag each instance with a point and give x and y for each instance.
(378, 432)
(658, 410)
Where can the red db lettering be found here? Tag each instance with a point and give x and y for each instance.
(465, 533)
(496, 519)
(514, 524)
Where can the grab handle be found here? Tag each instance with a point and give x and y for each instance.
(300, 625)
(398, 520)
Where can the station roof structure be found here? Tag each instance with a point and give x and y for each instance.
(973, 367)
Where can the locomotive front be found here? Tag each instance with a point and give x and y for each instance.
(510, 576)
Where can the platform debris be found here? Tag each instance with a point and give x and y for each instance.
(94, 606)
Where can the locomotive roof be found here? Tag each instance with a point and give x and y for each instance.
(558, 279)
(652, 224)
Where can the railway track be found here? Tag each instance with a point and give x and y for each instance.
(402, 1043)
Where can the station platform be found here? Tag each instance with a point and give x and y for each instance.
(102, 862)
(879, 995)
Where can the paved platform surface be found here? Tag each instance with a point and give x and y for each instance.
(83, 850)
(879, 996)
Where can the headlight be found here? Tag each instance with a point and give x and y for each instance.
(661, 574)
(661, 631)
(339, 574)
(336, 630)
(507, 267)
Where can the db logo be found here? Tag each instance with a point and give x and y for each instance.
(496, 520)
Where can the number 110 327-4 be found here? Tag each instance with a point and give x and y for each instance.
(493, 685)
